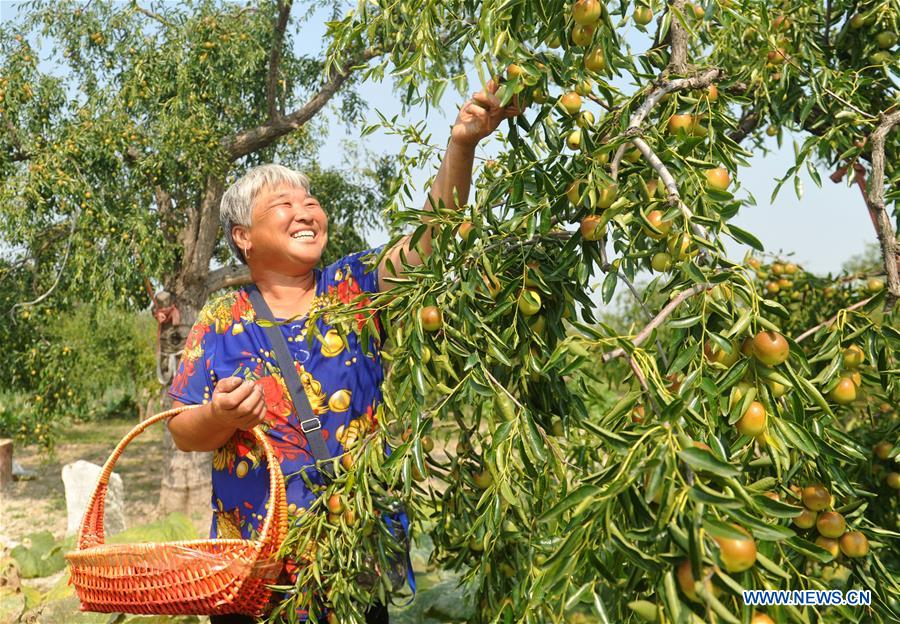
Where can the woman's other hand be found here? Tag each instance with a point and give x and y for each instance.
(238, 403)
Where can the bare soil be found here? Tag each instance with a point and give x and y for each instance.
(40, 503)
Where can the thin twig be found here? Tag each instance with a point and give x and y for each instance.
(811, 331)
(643, 381)
(657, 320)
(606, 267)
(155, 16)
(59, 273)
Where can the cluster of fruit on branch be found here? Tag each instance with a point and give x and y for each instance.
(781, 278)
(833, 535)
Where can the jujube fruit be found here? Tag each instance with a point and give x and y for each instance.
(685, 577)
(806, 519)
(529, 302)
(882, 450)
(592, 228)
(582, 35)
(661, 228)
(753, 422)
(643, 15)
(844, 392)
(595, 60)
(829, 544)
(432, 319)
(737, 555)
(661, 262)
(854, 544)
(571, 102)
(335, 504)
(831, 524)
(770, 348)
(608, 195)
(718, 178)
(586, 12)
(854, 356)
(816, 497)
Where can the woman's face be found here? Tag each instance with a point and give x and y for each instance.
(288, 230)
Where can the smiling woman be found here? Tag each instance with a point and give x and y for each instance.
(276, 227)
(270, 208)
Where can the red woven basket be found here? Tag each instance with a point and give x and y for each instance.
(192, 577)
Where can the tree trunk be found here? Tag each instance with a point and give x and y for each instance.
(186, 484)
(187, 478)
(6, 455)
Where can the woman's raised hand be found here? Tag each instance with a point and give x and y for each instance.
(481, 115)
(238, 403)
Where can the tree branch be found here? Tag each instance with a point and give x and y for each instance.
(154, 16)
(678, 39)
(746, 124)
(281, 21)
(674, 197)
(253, 139)
(207, 227)
(885, 230)
(226, 277)
(812, 330)
(663, 87)
(859, 176)
(657, 320)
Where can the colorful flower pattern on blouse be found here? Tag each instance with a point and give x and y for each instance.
(343, 385)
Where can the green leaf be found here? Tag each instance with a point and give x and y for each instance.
(743, 236)
(809, 549)
(707, 497)
(776, 508)
(771, 566)
(609, 286)
(686, 321)
(571, 500)
(703, 460)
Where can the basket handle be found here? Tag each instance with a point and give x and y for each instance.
(273, 530)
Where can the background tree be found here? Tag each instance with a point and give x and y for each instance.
(114, 161)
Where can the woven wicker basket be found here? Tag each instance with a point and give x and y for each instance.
(196, 577)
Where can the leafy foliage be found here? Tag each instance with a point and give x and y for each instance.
(591, 463)
(108, 153)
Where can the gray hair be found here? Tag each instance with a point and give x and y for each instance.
(237, 202)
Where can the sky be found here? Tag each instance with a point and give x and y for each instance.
(822, 229)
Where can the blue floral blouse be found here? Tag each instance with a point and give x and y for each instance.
(343, 386)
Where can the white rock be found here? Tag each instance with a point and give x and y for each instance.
(80, 479)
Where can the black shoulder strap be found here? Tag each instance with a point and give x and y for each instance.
(309, 422)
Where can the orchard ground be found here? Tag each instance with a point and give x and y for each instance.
(39, 504)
